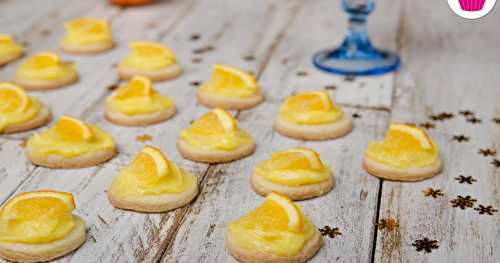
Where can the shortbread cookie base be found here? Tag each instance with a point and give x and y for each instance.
(167, 73)
(141, 119)
(263, 187)
(385, 171)
(189, 152)
(87, 49)
(43, 117)
(152, 203)
(46, 84)
(7, 60)
(309, 249)
(314, 132)
(85, 160)
(21, 252)
(215, 101)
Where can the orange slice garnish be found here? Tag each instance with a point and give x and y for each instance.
(216, 121)
(43, 60)
(137, 87)
(408, 136)
(5, 40)
(29, 205)
(150, 165)
(151, 49)
(296, 159)
(71, 129)
(225, 76)
(278, 212)
(87, 25)
(310, 101)
(13, 98)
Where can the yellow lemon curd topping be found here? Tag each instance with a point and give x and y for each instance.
(276, 227)
(230, 82)
(404, 146)
(87, 31)
(70, 138)
(37, 217)
(310, 108)
(216, 130)
(148, 56)
(151, 173)
(8, 48)
(16, 106)
(294, 167)
(138, 97)
(45, 66)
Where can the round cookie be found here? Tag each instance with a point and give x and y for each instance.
(21, 252)
(46, 84)
(167, 73)
(385, 171)
(8, 59)
(264, 187)
(82, 161)
(214, 101)
(139, 120)
(88, 49)
(153, 203)
(189, 152)
(314, 132)
(309, 249)
(42, 118)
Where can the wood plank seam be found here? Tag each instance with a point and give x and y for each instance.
(213, 167)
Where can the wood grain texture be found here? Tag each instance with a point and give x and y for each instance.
(450, 65)
(226, 194)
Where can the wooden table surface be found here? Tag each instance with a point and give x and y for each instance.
(449, 65)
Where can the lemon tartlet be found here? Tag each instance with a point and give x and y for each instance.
(407, 153)
(70, 143)
(9, 50)
(149, 59)
(136, 103)
(19, 111)
(297, 173)
(230, 88)
(44, 71)
(152, 183)
(40, 226)
(312, 115)
(277, 231)
(215, 138)
(86, 36)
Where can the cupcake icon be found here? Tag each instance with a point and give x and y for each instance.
(472, 5)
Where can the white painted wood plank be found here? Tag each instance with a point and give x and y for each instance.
(351, 205)
(134, 237)
(451, 65)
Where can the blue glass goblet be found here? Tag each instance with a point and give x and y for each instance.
(356, 55)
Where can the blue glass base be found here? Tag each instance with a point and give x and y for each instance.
(358, 62)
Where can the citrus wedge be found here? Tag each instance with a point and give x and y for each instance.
(151, 49)
(5, 39)
(225, 76)
(137, 87)
(28, 205)
(408, 136)
(311, 101)
(87, 25)
(296, 159)
(217, 121)
(284, 206)
(44, 60)
(150, 165)
(71, 129)
(13, 98)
